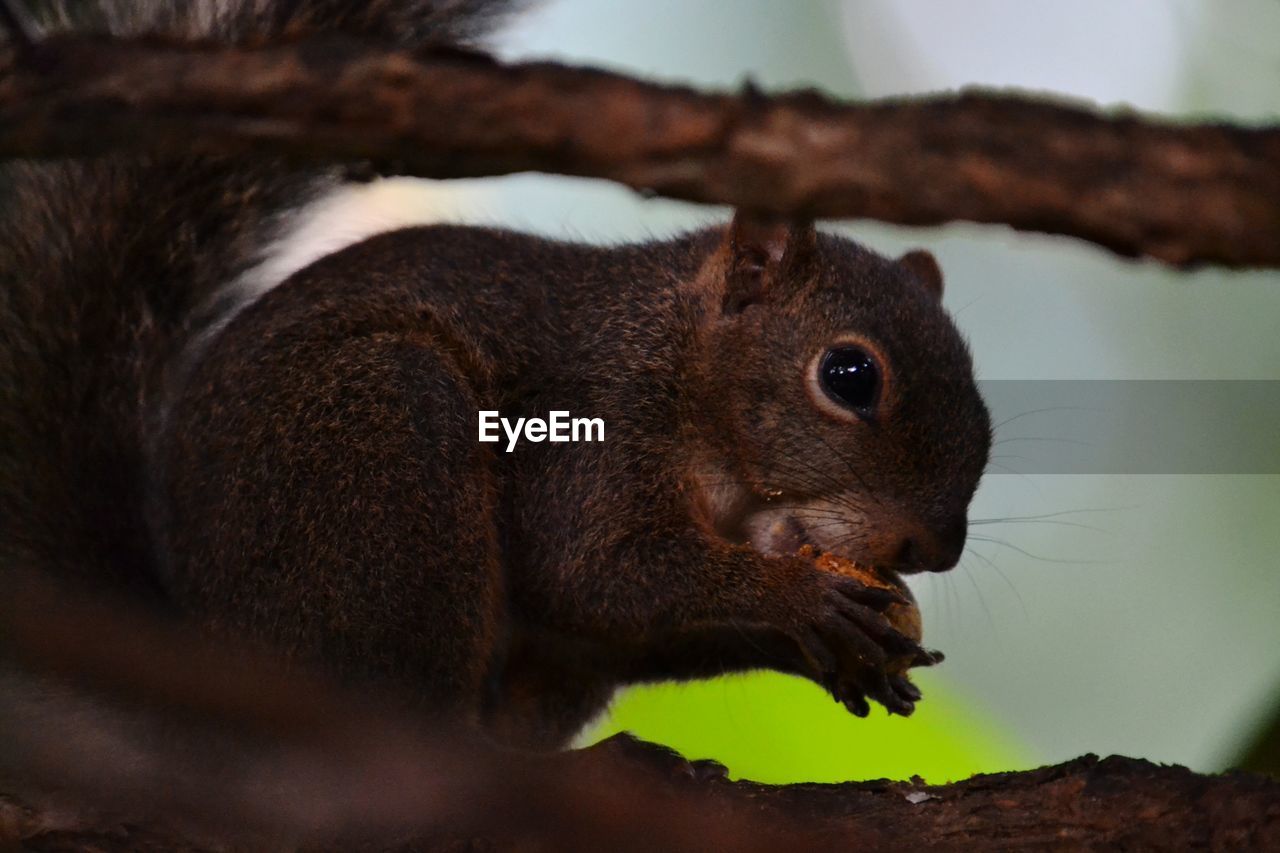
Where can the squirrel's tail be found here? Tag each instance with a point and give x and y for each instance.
(105, 264)
(412, 23)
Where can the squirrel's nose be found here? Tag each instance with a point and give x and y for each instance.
(932, 549)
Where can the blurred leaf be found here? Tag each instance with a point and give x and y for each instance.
(776, 728)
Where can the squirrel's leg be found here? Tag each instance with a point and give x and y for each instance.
(546, 693)
(327, 498)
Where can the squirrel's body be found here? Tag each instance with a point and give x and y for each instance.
(419, 534)
(303, 471)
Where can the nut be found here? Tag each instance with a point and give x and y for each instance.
(903, 617)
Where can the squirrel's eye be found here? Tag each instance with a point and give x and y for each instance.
(851, 377)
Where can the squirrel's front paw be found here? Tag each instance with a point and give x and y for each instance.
(854, 651)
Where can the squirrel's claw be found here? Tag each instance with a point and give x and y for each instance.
(850, 642)
(928, 657)
(904, 688)
(877, 598)
(856, 704)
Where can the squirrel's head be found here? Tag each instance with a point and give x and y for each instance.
(839, 401)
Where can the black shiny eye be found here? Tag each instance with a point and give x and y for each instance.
(851, 377)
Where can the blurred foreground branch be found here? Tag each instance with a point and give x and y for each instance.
(1085, 804)
(131, 734)
(1184, 194)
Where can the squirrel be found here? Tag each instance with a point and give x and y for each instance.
(300, 468)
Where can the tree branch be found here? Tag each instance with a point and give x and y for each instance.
(158, 739)
(1112, 804)
(1184, 194)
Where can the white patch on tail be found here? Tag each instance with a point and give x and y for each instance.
(339, 218)
(342, 217)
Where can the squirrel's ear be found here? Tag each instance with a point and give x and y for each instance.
(924, 267)
(763, 251)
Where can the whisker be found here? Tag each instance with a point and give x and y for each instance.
(1061, 513)
(1055, 439)
(832, 523)
(835, 487)
(984, 558)
(850, 538)
(809, 466)
(1027, 553)
(968, 304)
(850, 466)
(1004, 467)
(1013, 418)
(983, 601)
(729, 481)
(839, 497)
(1039, 521)
(953, 600)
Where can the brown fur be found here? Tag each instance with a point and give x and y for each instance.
(309, 478)
(324, 490)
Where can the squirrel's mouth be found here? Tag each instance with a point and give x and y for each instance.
(776, 537)
(779, 525)
(787, 535)
(783, 533)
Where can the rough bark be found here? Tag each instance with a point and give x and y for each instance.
(1110, 804)
(1085, 804)
(1184, 194)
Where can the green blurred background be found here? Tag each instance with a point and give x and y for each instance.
(1141, 621)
